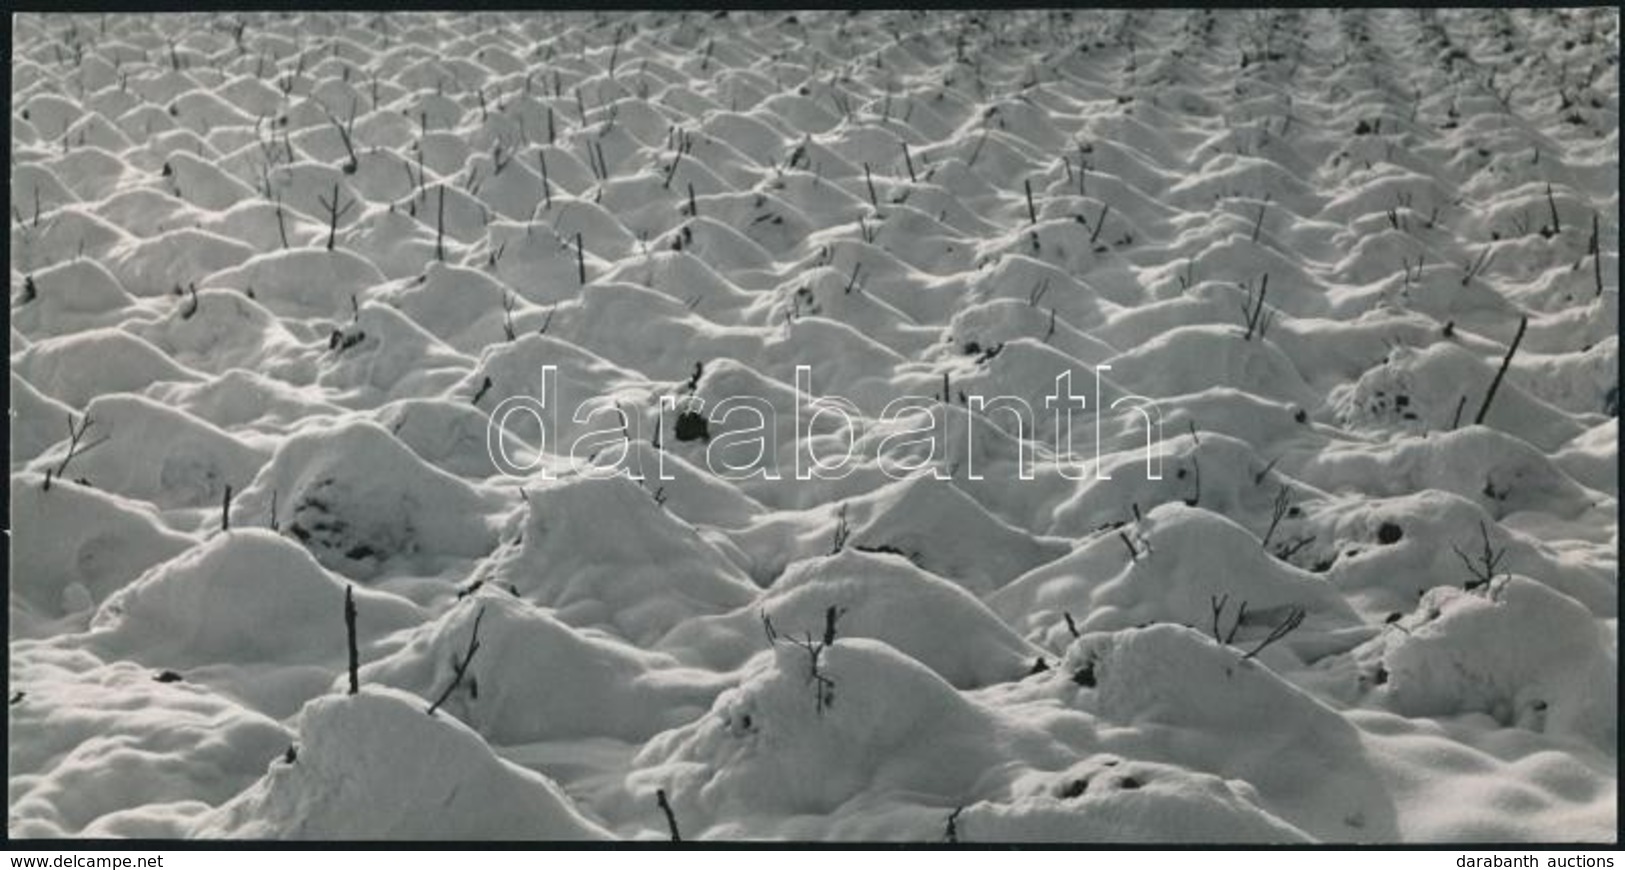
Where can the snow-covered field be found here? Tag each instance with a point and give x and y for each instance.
(271, 276)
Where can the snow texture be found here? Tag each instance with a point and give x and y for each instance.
(276, 279)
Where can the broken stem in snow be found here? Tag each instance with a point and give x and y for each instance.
(1217, 603)
(335, 211)
(281, 223)
(1551, 203)
(547, 188)
(1488, 564)
(671, 818)
(1596, 253)
(75, 435)
(1477, 268)
(440, 226)
(459, 668)
(951, 830)
(1100, 224)
(1283, 503)
(1286, 626)
(349, 631)
(1257, 318)
(1484, 409)
(1133, 554)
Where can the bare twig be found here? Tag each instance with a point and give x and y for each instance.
(1473, 270)
(1100, 223)
(832, 614)
(1596, 253)
(75, 435)
(1038, 291)
(459, 668)
(1293, 619)
(335, 211)
(1484, 409)
(508, 302)
(1283, 503)
(665, 805)
(547, 187)
(347, 134)
(350, 635)
(1487, 564)
(440, 226)
(823, 686)
(1133, 554)
(842, 531)
(1256, 316)
(1217, 603)
(1196, 475)
(682, 147)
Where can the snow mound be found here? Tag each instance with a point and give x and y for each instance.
(1103, 799)
(372, 766)
(356, 497)
(1196, 703)
(770, 746)
(104, 750)
(79, 367)
(1520, 652)
(152, 452)
(73, 546)
(289, 270)
(938, 527)
(246, 595)
(381, 355)
(175, 260)
(37, 420)
(302, 283)
(535, 678)
(69, 297)
(1184, 559)
(644, 580)
(878, 596)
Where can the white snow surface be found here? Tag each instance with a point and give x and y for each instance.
(236, 403)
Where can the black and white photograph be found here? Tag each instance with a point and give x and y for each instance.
(944, 427)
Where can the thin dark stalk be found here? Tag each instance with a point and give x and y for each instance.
(459, 668)
(1484, 409)
(349, 629)
(581, 261)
